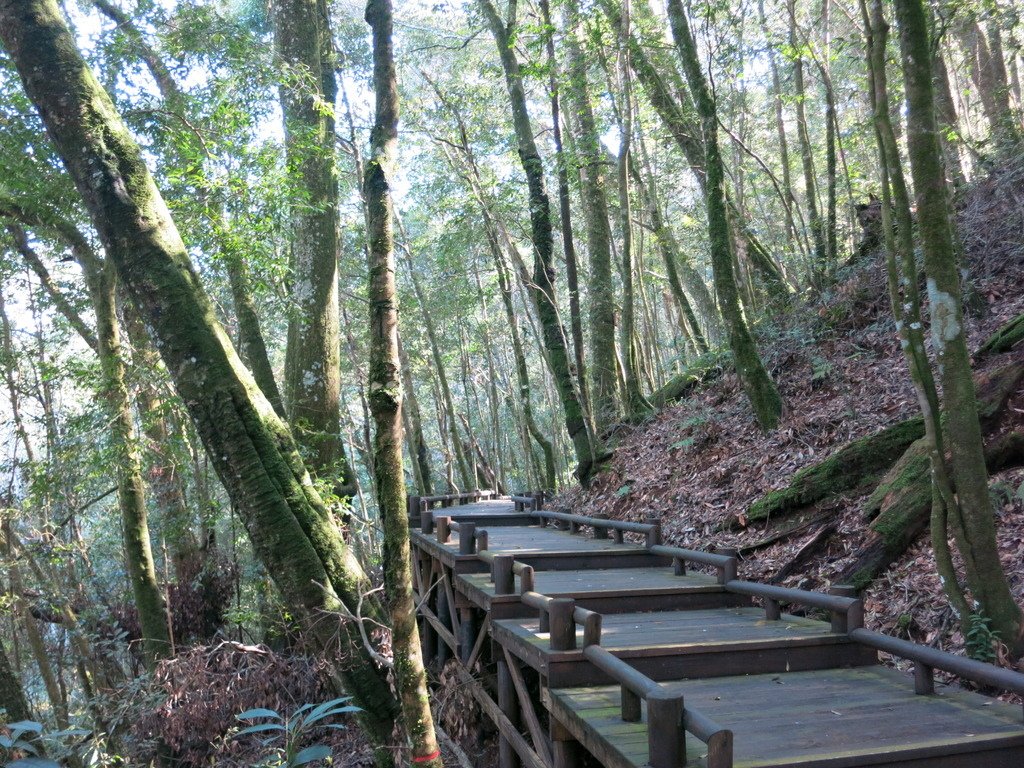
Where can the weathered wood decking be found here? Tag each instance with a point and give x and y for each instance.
(592, 644)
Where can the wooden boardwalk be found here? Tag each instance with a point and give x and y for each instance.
(587, 642)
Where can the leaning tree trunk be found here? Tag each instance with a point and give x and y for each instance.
(761, 391)
(252, 451)
(385, 394)
(975, 534)
(588, 451)
(12, 695)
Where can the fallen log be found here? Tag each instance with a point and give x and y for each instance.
(857, 464)
(900, 507)
(1005, 339)
(682, 384)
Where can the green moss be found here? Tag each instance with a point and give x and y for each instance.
(855, 464)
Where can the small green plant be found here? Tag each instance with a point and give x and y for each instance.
(980, 639)
(285, 735)
(686, 442)
(24, 736)
(624, 490)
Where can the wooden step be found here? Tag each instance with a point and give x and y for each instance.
(696, 643)
(838, 718)
(607, 591)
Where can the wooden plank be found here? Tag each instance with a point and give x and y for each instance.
(526, 707)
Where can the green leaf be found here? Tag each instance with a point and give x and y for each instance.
(33, 762)
(309, 754)
(249, 714)
(329, 713)
(260, 728)
(26, 725)
(624, 490)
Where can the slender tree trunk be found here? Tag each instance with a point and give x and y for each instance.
(761, 391)
(636, 403)
(12, 695)
(975, 534)
(418, 451)
(806, 150)
(253, 452)
(587, 450)
(385, 388)
(565, 215)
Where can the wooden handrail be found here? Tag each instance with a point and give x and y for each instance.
(847, 612)
(725, 565)
(668, 719)
(927, 659)
(651, 531)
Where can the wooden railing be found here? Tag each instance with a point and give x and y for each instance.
(526, 502)
(668, 717)
(602, 526)
(847, 612)
(416, 505)
(927, 660)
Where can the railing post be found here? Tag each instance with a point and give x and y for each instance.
(412, 505)
(426, 521)
(924, 679)
(502, 576)
(538, 499)
(443, 531)
(678, 566)
(666, 738)
(840, 621)
(526, 579)
(592, 630)
(772, 611)
(467, 538)
(562, 626)
(728, 572)
(599, 531)
(630, 705)
(481, 541)
(653, 537)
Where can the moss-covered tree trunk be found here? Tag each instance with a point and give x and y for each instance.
(587, 450)
(131, 494)
(312, 359)
(604, 390)
(385, 395)
(252, 451)
(565, 212)
(761, 391)
(975, 531)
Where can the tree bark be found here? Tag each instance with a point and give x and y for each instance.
(607, 405)
(312, 359)
(975, 531)
(385, 395)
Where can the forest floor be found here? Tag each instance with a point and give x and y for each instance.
(701, 462)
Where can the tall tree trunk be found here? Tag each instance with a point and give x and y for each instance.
(975, 532)
(385, 391)
(149, 600)
(312, 360)
(806, 149)
(607, 407)
(636, 403)
(12, 695)
(761, 391)
(252, 450)
(587, 450)
(565, 214)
